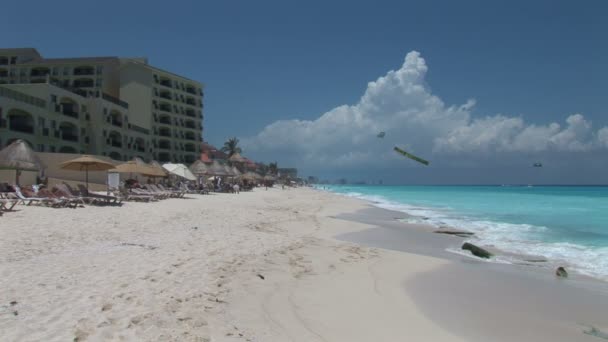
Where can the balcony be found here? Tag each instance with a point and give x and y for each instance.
(191, 101)
(190, 136)
(164, 132)
(68, 132)
(114, 140)
(84, 83)
(190, 124)
(164, 145)
(84, 70)
(68, 109)
(191, 90)
(165, 120)
(115, 100)
(190, 112)
(165, 107)
(166, 95)
(164, 157)
(69, 137)
(189, 148)
(40, 72)
(166, 83)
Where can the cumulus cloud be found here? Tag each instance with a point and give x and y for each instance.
(401, 104)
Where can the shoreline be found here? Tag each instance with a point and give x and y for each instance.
(264, 266)
(500, 255)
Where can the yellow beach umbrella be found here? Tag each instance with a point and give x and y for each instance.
(86, 163)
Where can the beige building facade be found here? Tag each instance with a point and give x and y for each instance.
(116, 107)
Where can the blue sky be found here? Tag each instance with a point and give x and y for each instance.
(541, 61)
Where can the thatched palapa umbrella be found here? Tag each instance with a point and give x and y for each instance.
(19, 156)
(86, 163)
(158, 168)
(200, 168)
(217, 169)
(139, 166)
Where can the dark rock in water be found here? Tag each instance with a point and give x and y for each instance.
(477, 251)
(561, 272)
(460, 233)
(536, 260)
(261, 276)
(13, 303)
(593, 331)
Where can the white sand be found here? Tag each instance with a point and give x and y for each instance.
(187, 270)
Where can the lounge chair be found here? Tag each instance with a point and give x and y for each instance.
(68, 192)
(7, 204)
(175, 193)
(153, 189)
(112, 200)
(127, 196)
(143, 192)
(28, 200)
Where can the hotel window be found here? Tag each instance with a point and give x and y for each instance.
(98, 82)
(22, 72)
(99, 69)
(53, 124)
(13, 60)
(41, 122)
(53, 98)
(66, 71)
(55, 71)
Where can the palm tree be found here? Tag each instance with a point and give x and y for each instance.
(273, 168)
(231, 146)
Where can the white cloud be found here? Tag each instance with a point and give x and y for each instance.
(401, 104)
(602, 137)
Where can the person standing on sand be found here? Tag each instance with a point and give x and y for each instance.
(235, 188)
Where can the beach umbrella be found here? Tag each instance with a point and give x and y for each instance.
(179, 170)
(250, 176)
(228, 170)
(217, 169)
(138, 166)
(19, 156)
(86, 163)
(236, 171)
(237, 158)
(200, 168)
(270, 178)
(158, 168)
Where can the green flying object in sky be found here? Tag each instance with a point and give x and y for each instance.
(411, 156)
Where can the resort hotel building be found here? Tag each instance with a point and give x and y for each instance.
(116, 107)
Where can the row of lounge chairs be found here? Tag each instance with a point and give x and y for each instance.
(65, 196)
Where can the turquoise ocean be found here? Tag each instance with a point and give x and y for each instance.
(566, 224)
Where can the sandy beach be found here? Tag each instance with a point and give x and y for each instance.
(275, 265)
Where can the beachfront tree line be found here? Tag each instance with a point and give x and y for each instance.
(231, 147)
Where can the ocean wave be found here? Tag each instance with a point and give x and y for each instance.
(523, 239)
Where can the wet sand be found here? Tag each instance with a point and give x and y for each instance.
(484, 301)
